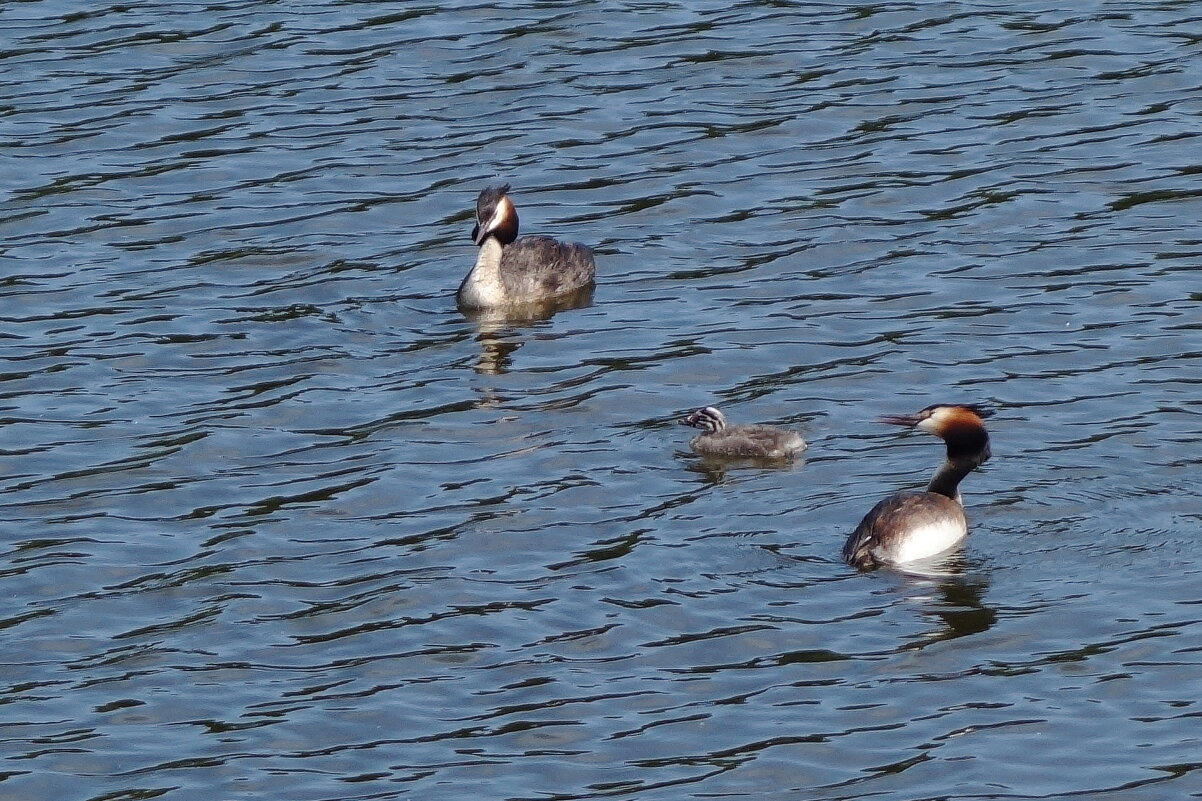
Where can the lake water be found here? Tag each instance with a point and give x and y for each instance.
(281, 523)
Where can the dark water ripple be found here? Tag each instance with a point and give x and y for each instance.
(280, 522)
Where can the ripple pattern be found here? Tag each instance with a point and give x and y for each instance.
(282, 523)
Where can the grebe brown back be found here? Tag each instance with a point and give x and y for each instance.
(509, 270)
(909, 526)
(751, 442)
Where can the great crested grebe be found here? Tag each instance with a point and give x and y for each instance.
(720, 439)
(509, 270)
(908, 526)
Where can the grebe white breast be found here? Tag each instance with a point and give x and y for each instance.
(909, 526)
(509, 270)
(744, 441)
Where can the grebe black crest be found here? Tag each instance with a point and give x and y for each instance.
(748, 442)
(510, 270)
(910, 526)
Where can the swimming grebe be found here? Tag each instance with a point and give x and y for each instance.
(719, 439)
(914, 525)
(509, 270)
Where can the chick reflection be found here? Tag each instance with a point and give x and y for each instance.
(715, 470)
(709, 471)
(497, 327)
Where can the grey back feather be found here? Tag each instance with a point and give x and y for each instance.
(536, 267)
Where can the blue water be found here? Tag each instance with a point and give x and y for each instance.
(281, 523)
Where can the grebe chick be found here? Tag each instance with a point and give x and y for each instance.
(754, 442)
(908, 526)
(509, 270)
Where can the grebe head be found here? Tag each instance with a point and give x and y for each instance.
(960, 425)
(708, 419)
(495, 216)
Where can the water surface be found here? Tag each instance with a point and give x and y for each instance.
(281, 522)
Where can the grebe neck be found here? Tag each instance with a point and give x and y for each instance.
(947, 479)
(482, 286)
